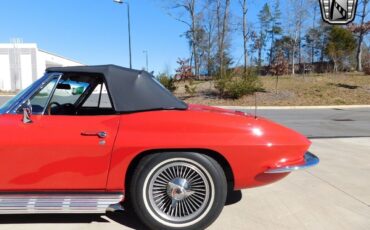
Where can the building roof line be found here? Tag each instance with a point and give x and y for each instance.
(60, 56)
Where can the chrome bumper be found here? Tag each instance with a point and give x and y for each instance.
(310, 160)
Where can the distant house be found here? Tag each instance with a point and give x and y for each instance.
(21, 64)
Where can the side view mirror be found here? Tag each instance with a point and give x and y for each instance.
(27, 112)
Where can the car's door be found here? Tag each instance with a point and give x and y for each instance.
(56, 152)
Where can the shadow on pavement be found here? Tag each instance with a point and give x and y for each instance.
(124, 218)
(127, 219)
(51, 218)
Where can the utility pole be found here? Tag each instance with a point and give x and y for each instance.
(146, 59)
(129, 27)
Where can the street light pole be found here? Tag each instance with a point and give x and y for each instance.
(129, 28)
(147, 59)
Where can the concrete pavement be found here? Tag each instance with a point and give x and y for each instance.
(335, 195)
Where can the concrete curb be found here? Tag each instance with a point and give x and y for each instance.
(296, 107)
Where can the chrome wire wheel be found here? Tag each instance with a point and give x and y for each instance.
(178, 192)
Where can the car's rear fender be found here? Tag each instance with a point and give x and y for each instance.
(249, 145)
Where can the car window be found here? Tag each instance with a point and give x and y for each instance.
(73, 95)
(40, 100)
(68, 92)
(10, 102)
(95, 101)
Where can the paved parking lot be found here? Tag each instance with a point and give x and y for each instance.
(335, 195)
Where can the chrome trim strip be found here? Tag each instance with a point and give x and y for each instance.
(310, 160)
(58, 203)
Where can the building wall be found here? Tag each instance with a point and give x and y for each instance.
(22, 64)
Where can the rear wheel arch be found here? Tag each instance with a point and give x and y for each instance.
(218, 157)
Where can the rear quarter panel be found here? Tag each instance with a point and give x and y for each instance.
(249, 145)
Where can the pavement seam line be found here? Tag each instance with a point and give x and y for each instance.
(339, 189)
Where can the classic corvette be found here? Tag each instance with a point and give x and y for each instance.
(84, 139)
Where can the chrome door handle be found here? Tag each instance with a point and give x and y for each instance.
(100, 134)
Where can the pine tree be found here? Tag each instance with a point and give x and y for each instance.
(264, 17)
(276, 28)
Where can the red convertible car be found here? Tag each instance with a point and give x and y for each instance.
(83, 139)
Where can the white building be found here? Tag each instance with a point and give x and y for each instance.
(21, 64)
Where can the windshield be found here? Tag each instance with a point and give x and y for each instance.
(5, 107)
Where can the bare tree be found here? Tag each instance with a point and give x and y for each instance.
(362, 32)
(295, 27)
(209, 28)
(311, 36)
(223, 16)
(188, 15)
(243, 4)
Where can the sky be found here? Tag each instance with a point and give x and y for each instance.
(94, 32)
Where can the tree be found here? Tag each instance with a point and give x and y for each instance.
(280, 66)
(264, 17)
(312, 35)
(199, 46)
(284, 46)
(316, 40)
(245, 32)
(167, 81)
(341, 44)
(361, 30)
(311, 42)
(184, 71)
(295, 27)
(254, 46)
(223, 29)
(210, 38)
(192, 18)
(275, 28)
(366, 58)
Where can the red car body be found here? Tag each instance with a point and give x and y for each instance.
(33, 158)
(72, 151)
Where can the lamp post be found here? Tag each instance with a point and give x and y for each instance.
(147, 59)
(129, 27)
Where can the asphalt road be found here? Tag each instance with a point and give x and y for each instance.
(3, 99)
(323, 123)
(335, 195)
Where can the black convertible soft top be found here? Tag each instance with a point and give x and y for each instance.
(130, 90)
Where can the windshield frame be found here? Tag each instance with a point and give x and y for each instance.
(12, 105)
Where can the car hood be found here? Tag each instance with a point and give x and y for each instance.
(257, 126)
